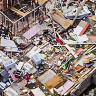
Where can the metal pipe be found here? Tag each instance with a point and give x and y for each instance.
(11, 26)
(27, 21)
(34, 14)
(5, 21)
(22, 8)
(8, 24)
(79, 10)
(22, 22)
(2, 18)
(14, 29)
(7, 3)
(31, 19)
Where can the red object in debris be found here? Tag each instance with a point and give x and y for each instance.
(84, 29)
(79, 51)
(27, 77)
(59, 40)
(78, 67)
(12, 75)
(65, 0)
(61, 57)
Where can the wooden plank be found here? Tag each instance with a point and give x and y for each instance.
(65, 23)
(92, 17)
(42, 1)
(92, 38)
(18, 11)
(46, 76)
(37, 92)
(53, 82)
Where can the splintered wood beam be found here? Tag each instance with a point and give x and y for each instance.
(19, 12)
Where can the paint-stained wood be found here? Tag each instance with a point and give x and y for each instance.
(53, 82)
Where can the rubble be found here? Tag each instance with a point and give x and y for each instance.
(47, 47)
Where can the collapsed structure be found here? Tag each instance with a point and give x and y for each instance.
(47, 48)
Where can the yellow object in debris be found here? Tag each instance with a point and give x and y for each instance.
(86, 45)
(68, 37)
(10, 48)
(59, 11)
(43, 55)
(31, 77)
(95, 89)
(18, 3)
